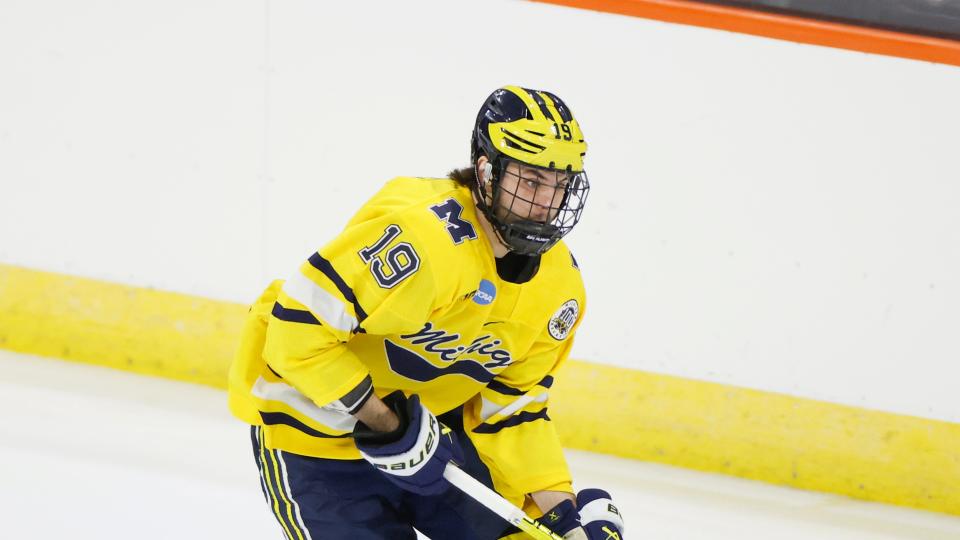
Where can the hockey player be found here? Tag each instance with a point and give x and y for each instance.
(453, 297)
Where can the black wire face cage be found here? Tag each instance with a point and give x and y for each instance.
(534, 207)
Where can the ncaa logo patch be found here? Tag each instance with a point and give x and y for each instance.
(486, 293)
(563, 320)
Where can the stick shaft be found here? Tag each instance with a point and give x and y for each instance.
(497, 504)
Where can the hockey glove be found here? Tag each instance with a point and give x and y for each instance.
(415, 454)
(596, 519)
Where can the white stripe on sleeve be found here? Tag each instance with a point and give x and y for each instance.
(328, 307)
(288, 395)
(490, 408)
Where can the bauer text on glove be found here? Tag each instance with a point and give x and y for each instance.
(415, 454)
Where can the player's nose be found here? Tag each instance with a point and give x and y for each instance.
(542, 201)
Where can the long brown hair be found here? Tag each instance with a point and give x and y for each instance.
(467, 176)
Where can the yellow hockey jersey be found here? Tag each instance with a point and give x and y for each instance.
(408, 296)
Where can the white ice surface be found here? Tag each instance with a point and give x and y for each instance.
(88, 452)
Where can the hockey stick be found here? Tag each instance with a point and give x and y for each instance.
(497, 504)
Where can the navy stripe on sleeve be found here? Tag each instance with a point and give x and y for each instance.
(501, 388)
(293, 315)
(277, 418)
(514, 420)
(326, 268)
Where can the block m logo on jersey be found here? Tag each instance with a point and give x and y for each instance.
(449, 212)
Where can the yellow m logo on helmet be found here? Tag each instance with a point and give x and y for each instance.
(535, 127)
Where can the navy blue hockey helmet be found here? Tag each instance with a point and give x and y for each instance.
(534, 136)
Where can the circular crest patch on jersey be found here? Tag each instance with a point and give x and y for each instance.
(563, 320)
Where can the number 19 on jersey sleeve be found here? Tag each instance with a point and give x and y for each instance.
(397, 264)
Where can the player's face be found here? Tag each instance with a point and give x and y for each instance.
(530, 193)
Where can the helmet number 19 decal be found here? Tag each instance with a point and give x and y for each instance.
(399, 262)
(567, 134)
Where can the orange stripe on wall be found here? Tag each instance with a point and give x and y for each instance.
(798, 29)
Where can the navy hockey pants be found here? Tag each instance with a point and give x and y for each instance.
(316, 499)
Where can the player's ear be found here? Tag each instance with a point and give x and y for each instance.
(479, 168)
(484, 172)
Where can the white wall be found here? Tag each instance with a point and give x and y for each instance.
(765, 214)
